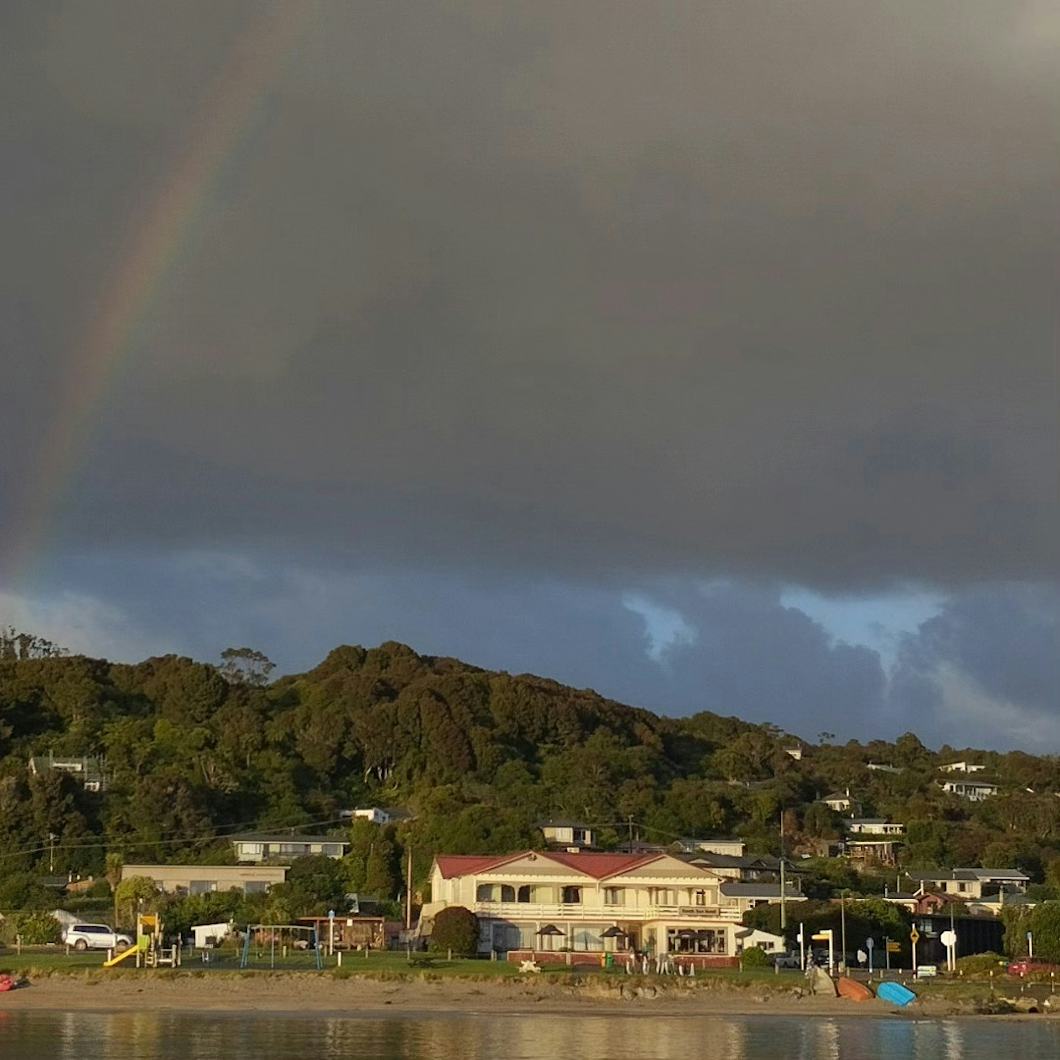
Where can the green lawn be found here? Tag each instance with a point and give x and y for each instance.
(54, 960)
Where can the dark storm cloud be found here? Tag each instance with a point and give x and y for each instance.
(986, 668)
(758, 289)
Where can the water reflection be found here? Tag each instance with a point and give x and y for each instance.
(256, 1036)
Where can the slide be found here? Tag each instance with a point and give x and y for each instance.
(118, 957)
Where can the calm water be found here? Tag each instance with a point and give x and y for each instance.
(176, 1036)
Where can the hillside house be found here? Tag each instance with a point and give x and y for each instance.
(85, 769)
(880, 767)
(870, 850)
(962, 767)
(972, 790)
(568, 834)
(873, 826)
(840, 801)
(205, 879)
(257, 847)
(970, 884)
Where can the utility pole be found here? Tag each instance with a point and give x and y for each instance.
(843, 932)
(629, 822)
(408, 892)
(51, 852)
(783, 885)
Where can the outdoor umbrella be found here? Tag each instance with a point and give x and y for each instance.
(613, 933)
(550, 929)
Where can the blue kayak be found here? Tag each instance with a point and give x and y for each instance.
(894, 993)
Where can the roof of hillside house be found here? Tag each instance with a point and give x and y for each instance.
(286, 837)
(766, 862)
(755, 890)
(594, 865)
(837, 796)
(563, 822)
(984, 875)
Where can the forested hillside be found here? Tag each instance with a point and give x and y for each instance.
(195, 752)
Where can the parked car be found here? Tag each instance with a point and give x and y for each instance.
(95, 937)
(787, 960)
(1028, 966)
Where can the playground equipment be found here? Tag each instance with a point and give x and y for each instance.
(281, 945)
(148, 950)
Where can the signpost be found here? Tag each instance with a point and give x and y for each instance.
(1030, 944)
(802, 947)
(914, 938)
(331, 932)
(823, 936)
(869, 944)
(949, 940)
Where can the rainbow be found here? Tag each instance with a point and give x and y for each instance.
(155, 243)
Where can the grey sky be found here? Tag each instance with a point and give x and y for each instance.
(609, 298)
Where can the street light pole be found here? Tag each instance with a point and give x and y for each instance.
(783, 886)
(843, 933)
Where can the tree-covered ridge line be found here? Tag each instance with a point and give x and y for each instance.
(194, 753)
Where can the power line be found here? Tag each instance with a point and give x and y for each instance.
(223, 833)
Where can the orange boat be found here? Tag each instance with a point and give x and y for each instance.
(6, 983)
(852, 989)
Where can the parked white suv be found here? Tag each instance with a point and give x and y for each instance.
(95, 937)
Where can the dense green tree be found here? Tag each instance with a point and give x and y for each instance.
(455, 929)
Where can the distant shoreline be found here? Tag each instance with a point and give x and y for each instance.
(295, 994)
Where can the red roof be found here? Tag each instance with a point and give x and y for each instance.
(465, 864)
(598, 866)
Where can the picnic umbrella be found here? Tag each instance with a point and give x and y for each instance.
(550, 929)
(613, 933)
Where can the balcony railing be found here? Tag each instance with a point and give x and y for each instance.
(575, 911)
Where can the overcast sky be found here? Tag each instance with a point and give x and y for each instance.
(701, 353)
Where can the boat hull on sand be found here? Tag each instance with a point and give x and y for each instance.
(895, 994)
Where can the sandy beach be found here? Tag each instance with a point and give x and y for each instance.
(298, 994)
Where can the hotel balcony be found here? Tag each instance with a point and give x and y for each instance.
(579, 911)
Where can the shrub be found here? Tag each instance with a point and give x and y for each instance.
(756, 957)
(37, 928)
(456, 929)
(980, 963)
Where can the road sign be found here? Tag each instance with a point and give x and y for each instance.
(894, 947)
(914, 936)
(822, 936)
(869, 943)
(948, 938)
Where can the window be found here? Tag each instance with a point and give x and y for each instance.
(571, 896)
(255, 887)
(250, 849)
(484, 892)
(614, 896)
(581, 835)
(507, 893)
(664, 896)
(689, 940)
(202, 886)
(700, 897)
(332, 850)
(523, 893)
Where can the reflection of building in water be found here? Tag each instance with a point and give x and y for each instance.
(953, 1037)
(732, 1041)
